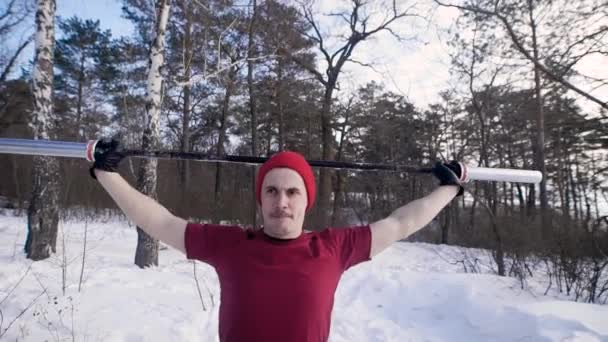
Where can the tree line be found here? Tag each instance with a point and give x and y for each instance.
(257, 77)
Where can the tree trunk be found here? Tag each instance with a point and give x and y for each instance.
(309, 121)
(269, 138)
(280, 106)
(221, 141)
(80, 99)
(473, 207)
(254, 200)
(572, 186)
(445, 220)
(499, 254)
(566, 173)
(336, 206)
(43, 211)
(187, 90)
(579, 184)
(540, 133)
(186, 134)
(217, 193)
(252, 108)
(146, 253)
(325, 189)
(339, 178)
(16, 178)
(561, 186)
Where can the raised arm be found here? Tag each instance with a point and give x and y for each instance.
(413, 216)
(142, 210)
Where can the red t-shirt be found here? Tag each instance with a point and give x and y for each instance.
(277, 290)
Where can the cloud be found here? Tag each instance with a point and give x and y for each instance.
(417, 67)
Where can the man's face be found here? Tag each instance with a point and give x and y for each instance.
(284, 201)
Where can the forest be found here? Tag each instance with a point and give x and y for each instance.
(256, 77)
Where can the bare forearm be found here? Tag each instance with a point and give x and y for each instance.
(418, 213)
(139, 208)
(142, 210)
(411, 217)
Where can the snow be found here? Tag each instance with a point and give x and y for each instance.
(410, 292)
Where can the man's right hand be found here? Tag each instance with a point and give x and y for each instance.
(108, 154)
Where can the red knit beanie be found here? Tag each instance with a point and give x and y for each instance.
(290, 160)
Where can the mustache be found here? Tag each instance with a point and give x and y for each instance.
(280, 214)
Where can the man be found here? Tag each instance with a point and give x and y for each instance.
(277, 283)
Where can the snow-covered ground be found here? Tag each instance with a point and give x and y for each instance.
(411, 292)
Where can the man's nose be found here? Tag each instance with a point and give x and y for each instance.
(282, 200)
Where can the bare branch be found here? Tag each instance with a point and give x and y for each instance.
(9, 10)
(17, 284)
(13, 59)
(519, 47)
(354, 17)
(317, 75)
(358, 27)
(593, 35)
(318, 38)
(26, 308)
(12, 17)
(21, 313)
(340, 15)
(219, 43)
(367, 65)
(397, 36)
(198, 288)
(201, 4)
(403, 14)
(344, 52)
(200, 78)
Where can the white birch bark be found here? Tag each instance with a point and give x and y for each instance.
(42, 75)
(146, 253)
(43, 214)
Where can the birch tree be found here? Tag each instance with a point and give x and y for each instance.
(43, 214)
(146, 253)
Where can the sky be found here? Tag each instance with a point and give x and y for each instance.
(417, 68)
(107, 11)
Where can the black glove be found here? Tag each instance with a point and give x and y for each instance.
(449, 174)
(108, 154)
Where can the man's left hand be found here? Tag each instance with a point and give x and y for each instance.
(449, 174)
